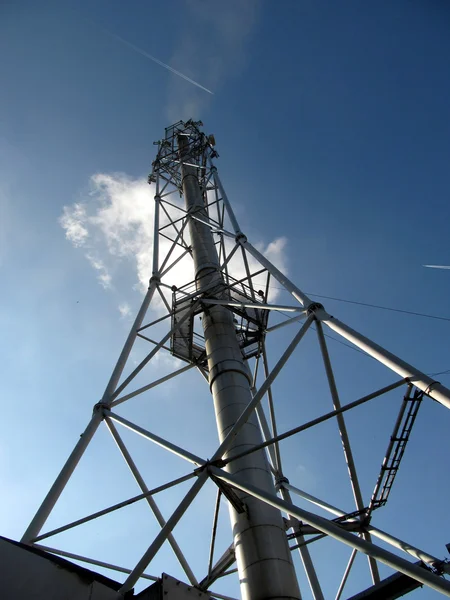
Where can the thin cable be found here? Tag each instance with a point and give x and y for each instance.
(399, 310)
(355, 349)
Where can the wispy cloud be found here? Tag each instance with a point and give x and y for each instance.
(113, 226)
(104, 276)
(72, 221)
(125, 310)
(213, 43)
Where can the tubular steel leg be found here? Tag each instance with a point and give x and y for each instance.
(345, 442)
(340, 534)
(57, 488)
(428, 385)
(151, 502)
(120, 365)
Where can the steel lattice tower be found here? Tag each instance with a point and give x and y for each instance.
(228, 351)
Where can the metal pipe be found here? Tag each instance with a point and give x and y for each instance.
(354, 481)
(222, 564)
(264, 561)
(110, 509)
(176, 261)
(273, 421)
(156, 231)
(141, 365)
(313, 422)
(250, 407)
(257, 305)
(163, 534)
(120, 365)
(196, 460)
(172, 248)
(265, 432)
(340, 534)
(214, 531)
(290, 287)
(431, 387)
(149, 386)
(375, 531)
(58, 486)
(286, 322)
(91, 561)
(346, 574)
(263, 424)
(305, 556)
(151, 502)
(225, 200)
(428, 385)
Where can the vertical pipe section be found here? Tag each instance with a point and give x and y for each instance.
(263, 557)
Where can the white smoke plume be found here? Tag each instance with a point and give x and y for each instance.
(214, 43)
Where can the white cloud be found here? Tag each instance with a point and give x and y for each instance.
(114, 227)
(72, 221)
(275, 252)
(103, 276)
(125, 310)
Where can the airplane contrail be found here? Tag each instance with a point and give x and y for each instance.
(437, 266)
(154, 59)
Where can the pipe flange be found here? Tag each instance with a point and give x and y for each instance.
(314, 307)
(280, 481)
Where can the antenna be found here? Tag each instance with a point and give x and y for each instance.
(220, 324)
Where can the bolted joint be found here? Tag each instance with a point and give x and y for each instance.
(155, 279)
(365, 520)
(199, 470)
(314, 307)
(280, 481)
(157, 198)
(220, 463)
(99, 409)
(240, 238)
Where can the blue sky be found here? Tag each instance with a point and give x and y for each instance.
(333, 129)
